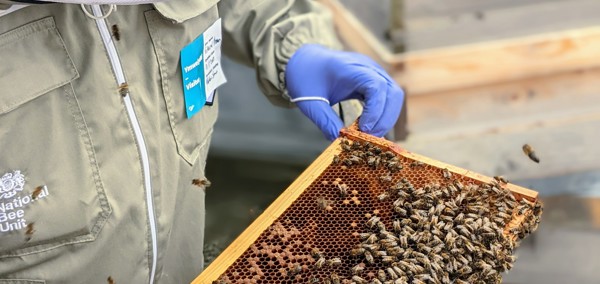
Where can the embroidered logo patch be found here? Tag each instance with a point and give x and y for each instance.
(13, 202)
(10, 184)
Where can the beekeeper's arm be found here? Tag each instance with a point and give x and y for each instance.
(293, 46)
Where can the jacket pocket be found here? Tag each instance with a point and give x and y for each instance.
(172, 26)
(51, 193)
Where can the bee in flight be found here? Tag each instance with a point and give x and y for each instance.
(528, 150)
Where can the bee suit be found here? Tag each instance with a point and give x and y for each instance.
(98, 155)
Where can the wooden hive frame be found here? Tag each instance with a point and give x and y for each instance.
(285, 200)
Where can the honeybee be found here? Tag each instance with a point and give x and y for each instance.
(320, 262)
(296, 269)
(385, 178)
(369, 257)
(316, 253)
(29, 232)
(115, 32)
(315, 280)
(371, 247)
(375, 281)
(424, 247)
(416, 269)
(425, 278)
(388, 259)
(379, 253)
(387, 235)
(355, 159)
(446, 173)
(417, 164)
(364, 236)
(357, 269)
(394, 166)
(123, 89)
(391, 273)
(335, 278)
(459, 185)
(343, 190)
(388, 243)
(435, 266)
(381, 275)
(336, 159)
(376, 150)
(395, 251)
(528, 150)
(396, 225)
(401, 211)
(357, 251)
(373, 162)
(404, 194)
(205, 183)
(406, 222)
(336, 261)
(501, 179)
(359, 280)
(373, 221)
(36, 192)
(380, 226)
(403, 241)
(345, 144)
(371, 239)
(383, 196)
(110, 280)
(324, 204)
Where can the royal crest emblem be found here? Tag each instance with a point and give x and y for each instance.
(11, 184)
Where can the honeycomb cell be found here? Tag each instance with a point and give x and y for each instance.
(380, 215)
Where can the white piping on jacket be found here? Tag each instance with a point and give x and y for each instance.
(11, 9)
(118, 69)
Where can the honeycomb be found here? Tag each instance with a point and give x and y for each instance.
(376, 215)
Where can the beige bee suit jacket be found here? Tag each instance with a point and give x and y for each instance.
(96, 180)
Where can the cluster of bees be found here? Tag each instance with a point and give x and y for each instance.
(443, 234)
(451, 233)
(440, 230)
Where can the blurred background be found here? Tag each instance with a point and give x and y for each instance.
(482, 78)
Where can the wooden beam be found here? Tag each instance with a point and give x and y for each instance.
(470, 65)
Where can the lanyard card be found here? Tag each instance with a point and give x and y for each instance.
(201, 69)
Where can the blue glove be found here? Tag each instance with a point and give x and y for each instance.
(318, 78)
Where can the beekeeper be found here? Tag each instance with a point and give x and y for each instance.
(106, 112)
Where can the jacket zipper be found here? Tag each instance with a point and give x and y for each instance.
(143, 151)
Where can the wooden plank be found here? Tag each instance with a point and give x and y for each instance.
(508, 22)
(517, 105)
(593, 205)
(563, 149)
(433, 8)
(248, 236)
(451, 68)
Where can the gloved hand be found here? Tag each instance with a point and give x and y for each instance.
(318, 78)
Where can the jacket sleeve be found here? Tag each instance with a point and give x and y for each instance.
(265, 34)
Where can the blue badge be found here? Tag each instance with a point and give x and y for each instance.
(201, 69)
(192, 71)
